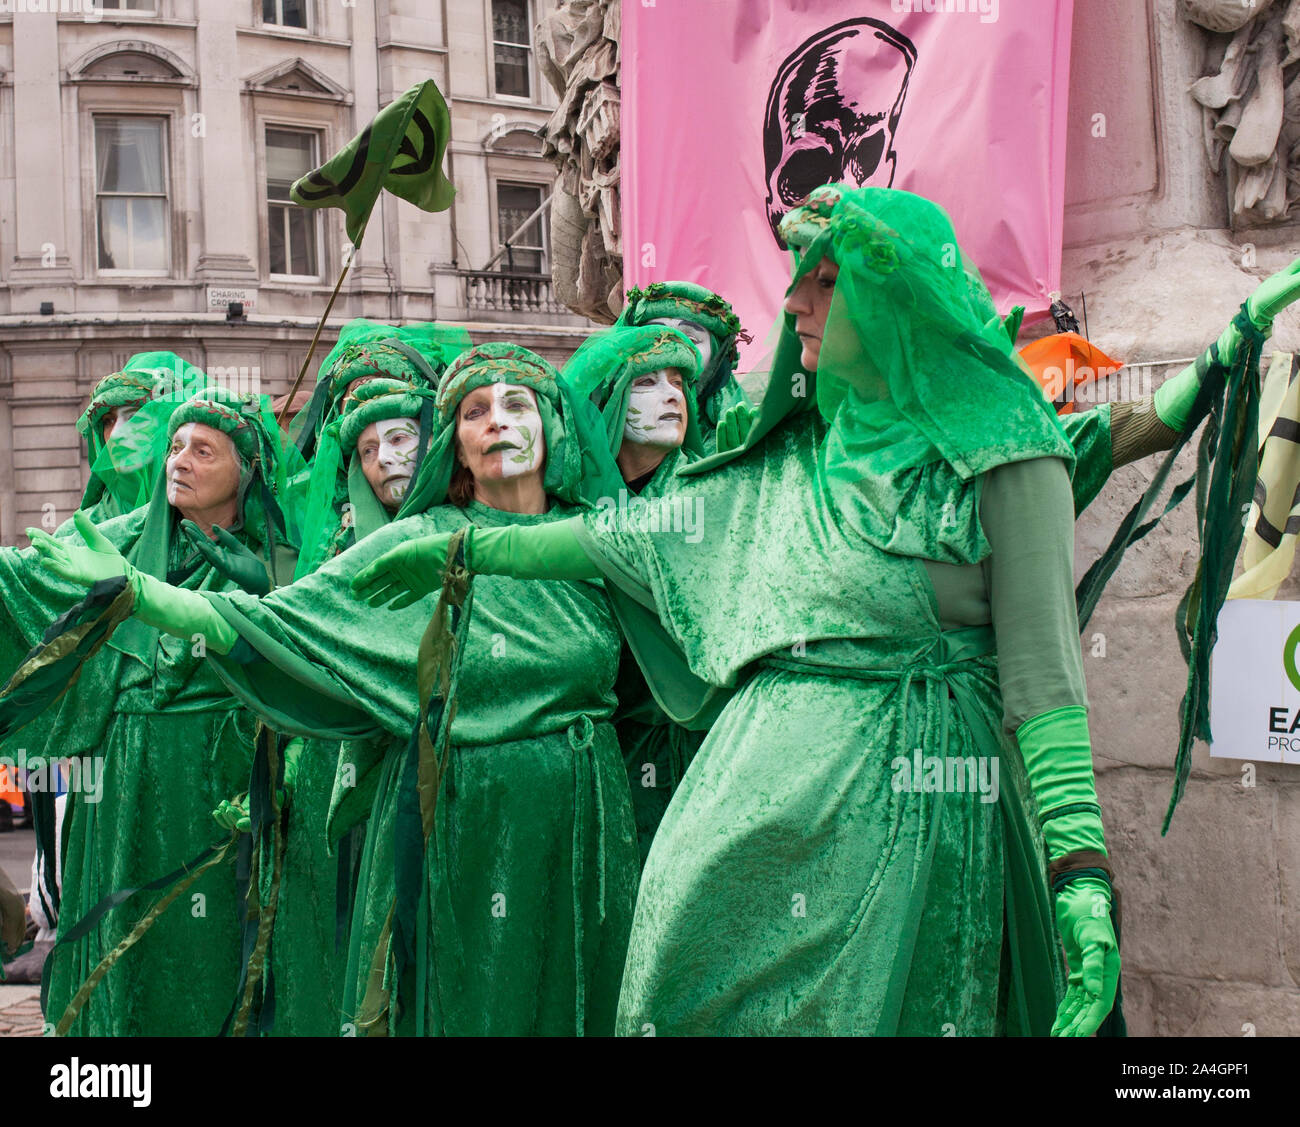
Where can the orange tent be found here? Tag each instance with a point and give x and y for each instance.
(1065, 362)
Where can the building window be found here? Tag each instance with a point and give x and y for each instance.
(512, 47)
(515, 203)
(292, 231)
(286, 13)
(128, 5)
(131, 194)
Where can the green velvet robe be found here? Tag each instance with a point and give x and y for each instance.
(531, 871)
(171, 744)
(794, 886)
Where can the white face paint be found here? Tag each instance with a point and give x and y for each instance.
(696, 334)
(656, 410)
(116, 417)
(388, 449)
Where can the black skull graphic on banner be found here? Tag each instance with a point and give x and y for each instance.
(833, 111)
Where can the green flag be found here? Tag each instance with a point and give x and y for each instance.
(401, 150)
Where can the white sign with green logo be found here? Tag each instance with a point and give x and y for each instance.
(1255, 682)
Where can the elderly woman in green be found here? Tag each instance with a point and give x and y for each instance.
(884, 577)
(510, 915)
(157, 739)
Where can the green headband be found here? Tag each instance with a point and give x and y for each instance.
(234, 415)
(380, 399)
(690, 302)
(497, 362)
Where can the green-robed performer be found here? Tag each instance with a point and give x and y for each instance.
(124, 427)
(884, 576)
(643, 380)
(156, 739)
(366, 460)
(710, 323)
(519, 916)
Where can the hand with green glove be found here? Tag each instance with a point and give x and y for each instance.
(85, 564)
(229, 557)
(1091, 953)
(232, 814)
(405, 574)
(733, 426)
(1057, 751)
(1174, 397)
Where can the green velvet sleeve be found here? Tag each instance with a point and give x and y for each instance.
(1028, 515)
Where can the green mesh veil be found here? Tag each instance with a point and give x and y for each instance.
(123, 471)
(913, 367)
(605, 366)
(579, 467)
(341, 504)
(437, 344)
(691, 302)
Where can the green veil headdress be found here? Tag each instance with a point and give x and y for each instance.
(438, 345)
(912, 367)
(124, 470)
(338, 484)
(579, 467)
(606, 365)
(692, 302)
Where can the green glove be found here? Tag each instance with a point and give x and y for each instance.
(734, 426)
(1091, 953)
(292, 759)
(1057, 751)
(232, 814)
(84, 564)
(405, 574)
(1175, 396)
(229, 557)
(1272, 296)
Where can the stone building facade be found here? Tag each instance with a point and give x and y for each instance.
(146, 148)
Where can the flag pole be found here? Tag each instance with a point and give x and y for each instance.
(347, 265)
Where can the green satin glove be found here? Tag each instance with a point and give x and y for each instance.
(232, 814)
(405, 574)
(1092, 955)
(1175, 396)
(84, 564)
(1057, 751)
(1272, 296)
(733, 426)
(229, 557)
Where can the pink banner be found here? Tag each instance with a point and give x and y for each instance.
(734, 109)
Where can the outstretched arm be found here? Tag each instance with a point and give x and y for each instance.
(157, 604)
(412, 570)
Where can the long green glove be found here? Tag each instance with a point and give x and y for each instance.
(1057, 751)
(734, 426)
(407, 573)
(229, 557)
(1175, 396)
(185, 614)
(232, 813)
(84, 564)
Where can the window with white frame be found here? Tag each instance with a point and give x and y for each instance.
(128, 5)
(285, 13)
(512, 48)
(292, 233)
(131, 194)
(515, 203)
